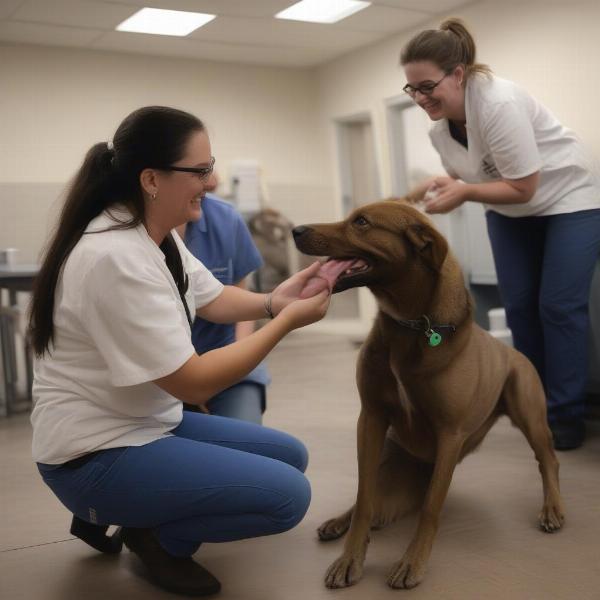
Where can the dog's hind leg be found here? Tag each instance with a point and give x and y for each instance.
(402, 481)
(525, 402)
(334, 528)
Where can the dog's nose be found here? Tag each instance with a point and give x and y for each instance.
(300, 230)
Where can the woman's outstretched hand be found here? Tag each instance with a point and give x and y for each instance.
(291, 289)
(444, 195)
(304, 312)
(303, 298)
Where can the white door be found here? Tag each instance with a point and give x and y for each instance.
(359, 175)
(359, 184)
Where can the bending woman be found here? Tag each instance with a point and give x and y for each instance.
(542, 200)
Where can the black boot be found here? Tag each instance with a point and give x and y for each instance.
(568, 434)
(95, 536)
(178, 575)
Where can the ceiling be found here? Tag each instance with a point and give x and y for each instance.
(244, 32)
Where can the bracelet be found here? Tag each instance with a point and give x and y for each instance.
(268, 306)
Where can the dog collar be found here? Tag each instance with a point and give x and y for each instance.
(424, 325)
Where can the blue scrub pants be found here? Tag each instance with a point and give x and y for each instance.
(214, 480)
(244, 401)
(545, 266)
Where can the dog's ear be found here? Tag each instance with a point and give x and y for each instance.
(429, 243)
(255, 224)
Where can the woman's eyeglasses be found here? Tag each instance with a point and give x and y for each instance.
(203, 172)
(426, 88)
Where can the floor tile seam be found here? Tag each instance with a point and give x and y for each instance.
(37, 545)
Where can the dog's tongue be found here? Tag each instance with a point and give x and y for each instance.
(332, 269)
(327, 273)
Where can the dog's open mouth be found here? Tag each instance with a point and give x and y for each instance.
(335, 269)
(339, 273)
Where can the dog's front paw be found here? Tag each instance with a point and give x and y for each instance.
(551, 518)
(333, 529)
(345, 571)
(406, 574)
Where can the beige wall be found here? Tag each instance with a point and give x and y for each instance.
(55, 103)
(549, 47)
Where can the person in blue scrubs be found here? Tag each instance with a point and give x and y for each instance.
(222, 242)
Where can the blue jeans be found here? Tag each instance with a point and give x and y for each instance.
(545, 266)
(245, 401)
(215, 480)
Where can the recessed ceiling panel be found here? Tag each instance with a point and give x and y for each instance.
(233, 8)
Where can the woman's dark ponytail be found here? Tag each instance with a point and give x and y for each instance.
(87, 197)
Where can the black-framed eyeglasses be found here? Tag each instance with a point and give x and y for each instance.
(203, 172)
(426, 89)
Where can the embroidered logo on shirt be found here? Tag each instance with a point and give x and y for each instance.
(489, 168)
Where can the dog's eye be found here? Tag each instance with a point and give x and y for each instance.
(360, 221)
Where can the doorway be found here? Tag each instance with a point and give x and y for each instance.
(359, 185)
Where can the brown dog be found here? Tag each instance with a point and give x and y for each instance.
(426, 402)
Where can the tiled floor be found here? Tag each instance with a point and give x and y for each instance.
(488, 546)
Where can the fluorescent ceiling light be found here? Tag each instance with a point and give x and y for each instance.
(322, 11)
(164, 22)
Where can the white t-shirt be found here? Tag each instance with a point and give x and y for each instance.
(119, 324)
(510, 136)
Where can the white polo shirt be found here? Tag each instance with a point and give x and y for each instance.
(511, 135)
(119, 324)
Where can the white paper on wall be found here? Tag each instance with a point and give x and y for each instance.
(244, 177)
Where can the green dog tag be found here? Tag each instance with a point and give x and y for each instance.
(435, 339)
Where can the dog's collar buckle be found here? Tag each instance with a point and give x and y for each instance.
(433, 337)
(424, 325)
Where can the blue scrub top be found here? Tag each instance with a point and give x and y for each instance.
(221, 241)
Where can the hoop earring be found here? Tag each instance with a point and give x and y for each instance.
(153, 197)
